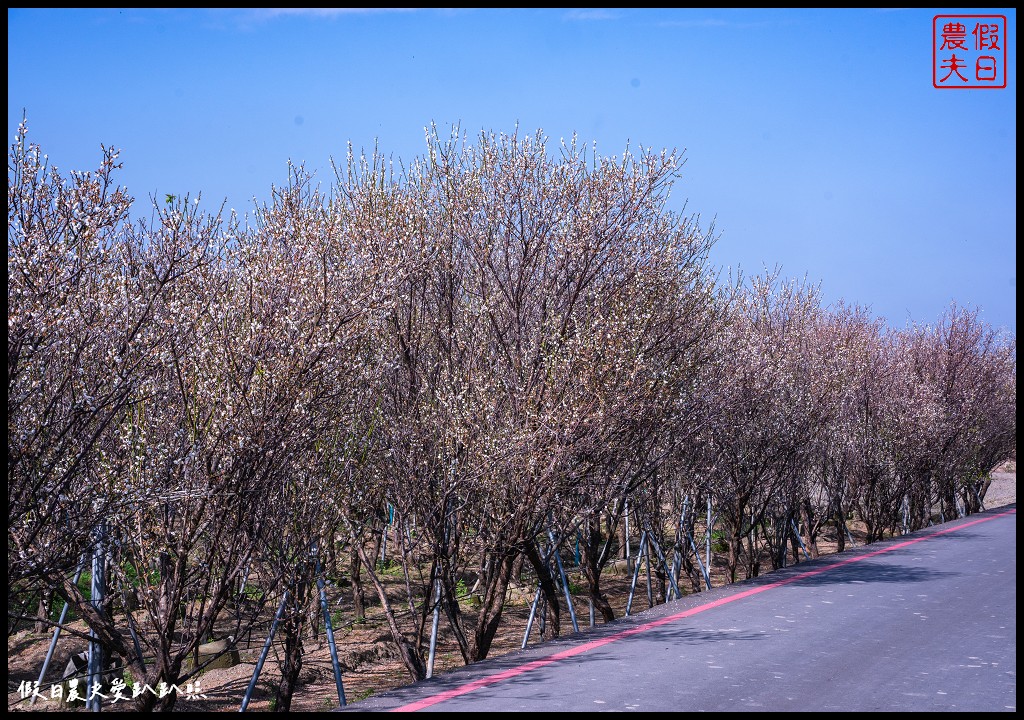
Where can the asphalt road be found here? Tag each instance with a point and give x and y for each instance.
(927, 622)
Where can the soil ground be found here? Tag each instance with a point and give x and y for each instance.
(365, 651)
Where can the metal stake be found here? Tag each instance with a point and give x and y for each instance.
(626, 516)
(565, 581)
(93, 701)
(696, 552)
(546, 560)
(796, 533)
(328, 625)
(433, 626)
(263, 654)
(533, 614)
(707, 549)
(56, 632)
(664, 564)
(636, 572)
(647, 562)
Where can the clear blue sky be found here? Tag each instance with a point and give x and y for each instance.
(814, 137)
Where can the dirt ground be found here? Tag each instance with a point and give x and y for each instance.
(369, 662)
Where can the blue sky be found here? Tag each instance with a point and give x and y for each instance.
(814, 138)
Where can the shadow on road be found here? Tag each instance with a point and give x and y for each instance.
(867, 571)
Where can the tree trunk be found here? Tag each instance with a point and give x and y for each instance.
(660, 585)
(733, 559)
(492, 605)
(162, 669)
(753, 561)
(592, 574)
(547, 586)
(291, 628)
(452, 610)
(406, 651)
(794, 545)
(691, 569)
(591, 562)
(517, 568)
(358, 595)
(43, 611)
(811, 534)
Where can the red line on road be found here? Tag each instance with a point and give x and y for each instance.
(594, 644)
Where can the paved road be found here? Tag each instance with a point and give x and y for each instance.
(924, 623)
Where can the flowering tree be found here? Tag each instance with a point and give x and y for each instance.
(478, 357)
(759, 413)
(528, 345)
(970, 370)
(846, 342)
(80, 302)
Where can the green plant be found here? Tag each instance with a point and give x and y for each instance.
(389, 567)
(85, 583)
(135, 577)
(253, 593)
(336, 618)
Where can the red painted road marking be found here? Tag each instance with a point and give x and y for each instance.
(593, 644)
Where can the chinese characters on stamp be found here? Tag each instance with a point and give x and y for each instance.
(969, 51)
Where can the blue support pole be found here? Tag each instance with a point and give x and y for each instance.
(263, 654)
(796, 533)
(696, 552)
(565, 582)
(330, 633)
(56, 632)
(664, 564)
(546, 559)
(93, 701)
(533, 614)
(707, 547)
(434, 623)
(636, 571)
(626, 518)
